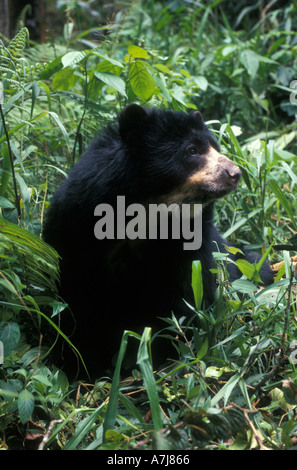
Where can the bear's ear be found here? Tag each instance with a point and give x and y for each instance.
(130, 119)
(198, 116)
(197, 119)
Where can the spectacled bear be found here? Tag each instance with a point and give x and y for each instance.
(118, 283)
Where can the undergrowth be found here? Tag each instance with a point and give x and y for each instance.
(235, 385)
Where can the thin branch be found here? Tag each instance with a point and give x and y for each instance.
(83, 114)
(254, 430)
(48, 433)
(17, 202)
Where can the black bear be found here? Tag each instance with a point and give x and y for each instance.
(116, 277)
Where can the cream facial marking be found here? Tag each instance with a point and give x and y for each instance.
(214, 162)
(217, 176)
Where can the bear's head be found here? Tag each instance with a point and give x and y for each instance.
(177, 156)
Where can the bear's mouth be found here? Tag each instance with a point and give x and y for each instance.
(215, 179)
(194, 191)
(222, 189)
(202, 194)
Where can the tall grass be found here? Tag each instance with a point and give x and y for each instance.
(235, 384)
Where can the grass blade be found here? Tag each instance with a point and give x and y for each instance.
(143, 360)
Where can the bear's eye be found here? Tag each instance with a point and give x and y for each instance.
(192, 150)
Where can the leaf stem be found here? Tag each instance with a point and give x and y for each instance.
(17, 202)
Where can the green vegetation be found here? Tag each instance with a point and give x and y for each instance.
(236, 384)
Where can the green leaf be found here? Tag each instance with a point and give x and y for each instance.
(141, 82)
(290, 391)
(52, 68)
(61, 126)
(107, 59)
(131, 408)
(248, 270)
(244, 286)
(72, 58)
(203, 350)
(283, 200)
(143, 360)
(5, 203)
(112, 408)
(163, 68)
(35, 94)
(241, 222)
(197, 284)
(229, 49)
(213, 371)
(233, 249)
(9, 103)
(12, 130)
(201, 29)
(137, 52)
(25, 405)
(226, 390)
(115, 438)
(290, 172)
(10, 336)
(236, 334)
(32, 354)
(64, 79)
(42, 379)
(41, 259)
(83, 428)
(60, 381)
(201, 82)
(112, 81)
(250, 60)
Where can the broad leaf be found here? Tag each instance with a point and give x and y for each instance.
(25, 405)
(113, 81)
(142, 83)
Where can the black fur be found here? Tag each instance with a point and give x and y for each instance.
(112, 285)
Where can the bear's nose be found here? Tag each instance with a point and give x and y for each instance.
(233, 172)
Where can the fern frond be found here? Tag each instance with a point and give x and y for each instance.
(18, 44)
(27, 10)
(29, 255)
(16, 83)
